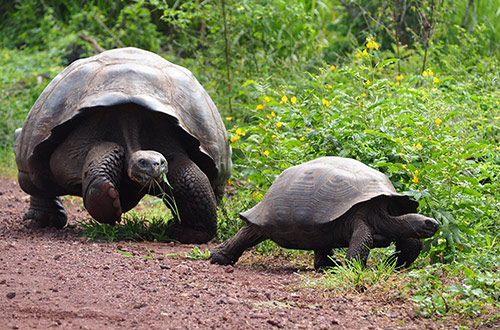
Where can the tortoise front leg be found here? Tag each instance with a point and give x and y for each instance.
(361, 242)
(407, 250)
(101, 180)
(231, 250)
(194, 200)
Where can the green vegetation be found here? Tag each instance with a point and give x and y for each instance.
(412, 92)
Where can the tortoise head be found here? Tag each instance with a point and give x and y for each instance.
(146, 166)
(415, 225)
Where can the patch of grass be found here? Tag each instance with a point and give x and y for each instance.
(198, 254)
(132, 228)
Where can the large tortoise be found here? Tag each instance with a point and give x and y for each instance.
(109, 127)
(327, 203)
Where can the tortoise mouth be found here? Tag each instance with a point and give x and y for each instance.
(147, 166)
(427, 228)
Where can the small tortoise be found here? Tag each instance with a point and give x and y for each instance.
(327, 203)
(109, 128)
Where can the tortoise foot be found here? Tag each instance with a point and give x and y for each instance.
(323, 261)
(102, 201)
(218, 257)
(188, 235)
(45, 213)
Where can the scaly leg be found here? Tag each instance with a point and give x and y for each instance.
(407, 250)
(231, 250)
(361, 242)
(194, 200)
(101, 181)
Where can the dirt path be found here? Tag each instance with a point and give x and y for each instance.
(57, 279)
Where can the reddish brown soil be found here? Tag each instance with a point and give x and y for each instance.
(58, 279)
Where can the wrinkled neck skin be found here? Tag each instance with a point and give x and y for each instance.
(392, 227)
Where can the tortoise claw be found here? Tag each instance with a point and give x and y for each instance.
(102, 201)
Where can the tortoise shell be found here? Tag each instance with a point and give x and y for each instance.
(119, 76)
(320, 191)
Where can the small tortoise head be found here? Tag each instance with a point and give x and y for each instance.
(418, 226)
(146, 166)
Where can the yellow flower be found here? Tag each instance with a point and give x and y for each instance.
(332, 67)
(369, 44)
(358, 55)
(424, 74)
(267, 99)
(365, 53)
(364, 94)
(260, 125)
(375, 45)
(229, 118)
(229, 183)
(397, 83)
(284, 99)
(453, 166)
(415, 179)
(293, 100)
(273, 137)
(308, 129)
(259, 107)
(430, 72)
(260, 195)
(325, 102)
(437, 121)
(302, 138)
(404, 166)
(329, 86)
(419, 146)
(273, 114)
(279, 124)
(360, 104)
(436, 80)
(367, 82)
(232, 140)
(266, 153)
(238, 131)
(237, 137)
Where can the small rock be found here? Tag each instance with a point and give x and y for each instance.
(232, 301)
(57, 256)
(10, 295)
(164, 266)
(229, 269)
(3, 281)
(140, 305)
(274, 323)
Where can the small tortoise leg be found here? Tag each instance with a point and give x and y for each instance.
(231, 250)
(407, 250)
(46, 212)
(101, 179)
(324, 259)
(195, 202)
(361, 242)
